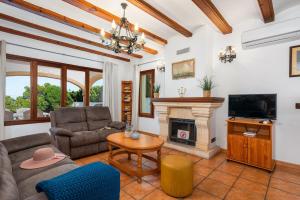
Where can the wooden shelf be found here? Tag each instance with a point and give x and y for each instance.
(248, 121)
(297, 105)
(255, 151)
(126, 114)
(190, 99)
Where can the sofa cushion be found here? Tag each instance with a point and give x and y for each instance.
(27, 186)
(8, 186)
(97, 117)
(73, 119)
(83, 138)
(21, 174)
(24, 142)
(106, 132)
(5, 164)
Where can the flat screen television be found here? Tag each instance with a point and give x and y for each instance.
(260, 106)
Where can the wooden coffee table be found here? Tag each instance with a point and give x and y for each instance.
(144, 144)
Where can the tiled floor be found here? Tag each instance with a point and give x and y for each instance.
(214, 179)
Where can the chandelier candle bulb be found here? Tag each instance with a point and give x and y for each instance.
(136, 27)
(143, 36)
(102, 32)
(113, 25)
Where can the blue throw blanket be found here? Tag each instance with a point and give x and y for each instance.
(96, 181)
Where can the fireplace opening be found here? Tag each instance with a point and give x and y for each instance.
(182, 131)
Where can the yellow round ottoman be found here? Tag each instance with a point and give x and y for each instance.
(176, 175)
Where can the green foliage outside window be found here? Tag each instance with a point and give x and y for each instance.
(49, 97)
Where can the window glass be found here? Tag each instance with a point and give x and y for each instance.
(17, 91)
(96, 89)
(49, 90)
(75, 88)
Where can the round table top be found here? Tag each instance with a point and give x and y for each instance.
(145, 142)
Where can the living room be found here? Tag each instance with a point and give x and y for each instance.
(186, 83)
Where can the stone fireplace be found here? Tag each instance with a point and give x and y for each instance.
(191, 115)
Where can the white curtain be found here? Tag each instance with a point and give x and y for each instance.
(2, 87)
(135, 106)
(110, 89)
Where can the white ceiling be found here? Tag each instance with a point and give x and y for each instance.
(185, 12)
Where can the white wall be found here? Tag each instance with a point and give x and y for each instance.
(200, 45)
(261, 70)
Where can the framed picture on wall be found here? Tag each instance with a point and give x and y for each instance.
(183, 69)
(295, 61)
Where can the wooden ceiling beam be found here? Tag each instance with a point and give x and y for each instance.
(267, 10)
(210, 10)
(59, 43)
(101, 13)
(21, 4)
(143, 5)
(59, 33)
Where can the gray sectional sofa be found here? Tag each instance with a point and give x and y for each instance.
(17, 183)
(80, 132)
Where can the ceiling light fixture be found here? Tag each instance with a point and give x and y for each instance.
(123, 39)
(228, 55)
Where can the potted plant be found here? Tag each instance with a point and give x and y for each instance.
(207, 85)
(156, 91)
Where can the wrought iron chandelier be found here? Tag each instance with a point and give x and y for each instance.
(228, 55)
(123, 39)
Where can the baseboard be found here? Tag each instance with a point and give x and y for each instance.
(287, 164)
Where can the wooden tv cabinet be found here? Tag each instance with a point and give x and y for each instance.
(256, 151)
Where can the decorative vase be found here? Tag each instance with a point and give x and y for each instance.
(156, 95)
(206, 93)
(128, 130)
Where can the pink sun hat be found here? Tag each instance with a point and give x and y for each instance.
(41, 158)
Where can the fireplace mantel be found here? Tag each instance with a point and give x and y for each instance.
(199, 109)
(190, 99)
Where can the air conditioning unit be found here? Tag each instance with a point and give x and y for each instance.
(284, 31)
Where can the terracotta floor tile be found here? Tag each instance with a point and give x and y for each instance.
(285, 186)
(214, 187)
(125, 179)
(104, 155)
(152, 154)
(158, 195)
(150, 164)
(154, 180)
(249, 186)
(197, 179)
(202, 170)
(138, 190)
(225, 178)
(194, 158)
(173, 151)
(200, 195)
(287, 174)
(219, 157)
(90, 159)
(256, 175)
(165, 150)
(125, 196)
(210, 163)
(231, 168)
(275, 194)
(236, 194)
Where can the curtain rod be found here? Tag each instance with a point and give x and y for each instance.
(62, 54)
(149, 62)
